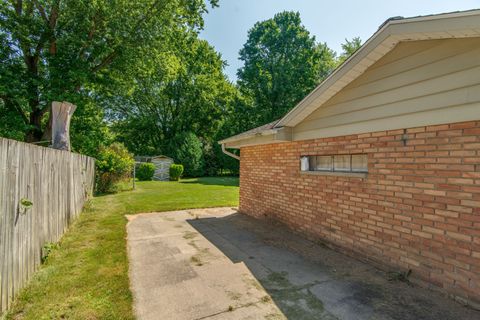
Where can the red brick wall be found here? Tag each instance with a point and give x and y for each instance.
(418, 208)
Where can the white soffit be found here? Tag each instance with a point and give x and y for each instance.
(443, 26)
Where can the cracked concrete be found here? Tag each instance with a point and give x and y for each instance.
(176, 273)
(217, 264)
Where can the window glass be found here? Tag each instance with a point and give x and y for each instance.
(339, 163)
(324, 163)
(359, 163)
(342, 163)
(312, 162)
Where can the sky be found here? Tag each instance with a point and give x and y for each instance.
(226, 27)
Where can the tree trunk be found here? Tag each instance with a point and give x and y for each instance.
(61, 115)
(35, 133)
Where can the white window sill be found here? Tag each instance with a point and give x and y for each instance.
(336, 173)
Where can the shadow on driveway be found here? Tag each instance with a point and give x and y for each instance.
(308, 281)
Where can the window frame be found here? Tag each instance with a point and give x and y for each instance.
(332, 169)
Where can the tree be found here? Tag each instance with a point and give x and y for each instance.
(72, 49)
(89, 130)
(184, 90)
(13, 122)
(216, 162)
(349, 48)
(186, 149)
(113, 164)
(282, 64)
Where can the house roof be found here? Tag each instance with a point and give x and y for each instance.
(459, 24)
(252, 132)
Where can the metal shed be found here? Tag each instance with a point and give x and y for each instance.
(162, 164)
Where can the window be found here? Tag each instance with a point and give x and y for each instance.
(359, 163)
(335, 163)
(324, 163)
(342, 163)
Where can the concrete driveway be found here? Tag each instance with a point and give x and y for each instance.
(218, 264)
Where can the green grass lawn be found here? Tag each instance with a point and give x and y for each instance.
(86, 277)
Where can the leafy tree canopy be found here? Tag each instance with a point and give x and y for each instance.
(186, 149)
(282, 64)
(139, 74)
(73, 49)
(184, 90)
(349, 47)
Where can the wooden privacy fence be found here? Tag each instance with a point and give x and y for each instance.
(42, 190)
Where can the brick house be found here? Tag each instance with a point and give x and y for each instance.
(382, 159)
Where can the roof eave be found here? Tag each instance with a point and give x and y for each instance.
(247, 136)
(276, 135)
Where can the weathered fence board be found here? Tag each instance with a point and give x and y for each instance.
(57, 183)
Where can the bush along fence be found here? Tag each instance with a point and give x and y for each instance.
(42, 190)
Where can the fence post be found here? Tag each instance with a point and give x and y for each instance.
(134, 168)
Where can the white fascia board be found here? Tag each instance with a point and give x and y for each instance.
(248, 136)
(277, 135)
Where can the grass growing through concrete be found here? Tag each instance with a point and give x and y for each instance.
(86, 275)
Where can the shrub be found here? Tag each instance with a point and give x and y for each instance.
(47, 250)
(114, 163)
(176, 171)
(145, 171)
(186, 149)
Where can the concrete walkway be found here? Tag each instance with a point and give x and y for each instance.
(217, 264)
